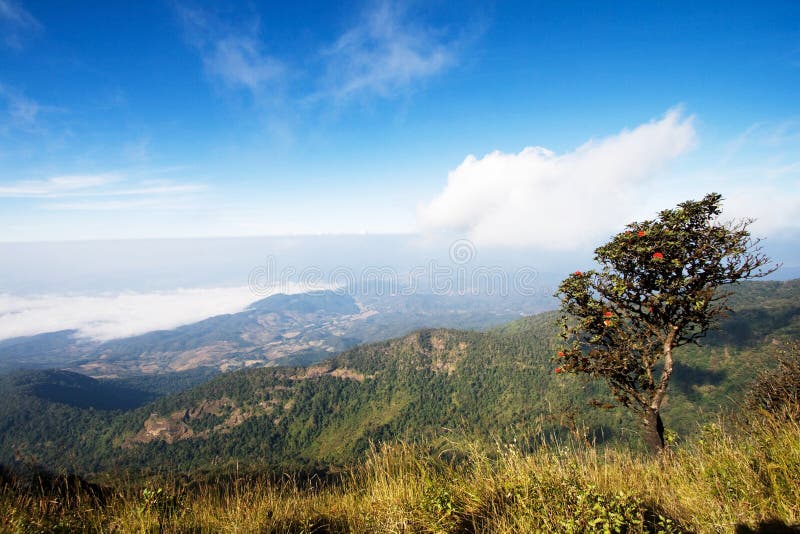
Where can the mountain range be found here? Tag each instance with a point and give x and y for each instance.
(278, 330)
(431, 384)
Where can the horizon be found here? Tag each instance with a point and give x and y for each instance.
(387, 117)
(390, 265)
(179, 145)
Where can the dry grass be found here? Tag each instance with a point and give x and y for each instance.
(725, 479)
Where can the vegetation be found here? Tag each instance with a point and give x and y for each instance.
(429, 386)
(742, 476)
(658, 289)
(292, 330)
(438, 431)
(777, 391)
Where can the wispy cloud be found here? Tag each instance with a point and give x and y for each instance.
(58, 186)
(159, 203)
(385, 53)
(16, 23)
(21, 112)
(137, 151)
(239, 62)
(760, 171)
(234, 56)
(104, 192)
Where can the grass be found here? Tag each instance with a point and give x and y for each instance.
(734, 477)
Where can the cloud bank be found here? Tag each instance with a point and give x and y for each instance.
(540, 199)
(106, 317)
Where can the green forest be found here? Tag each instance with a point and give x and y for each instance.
(429, 386)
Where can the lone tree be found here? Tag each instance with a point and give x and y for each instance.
(657, 289)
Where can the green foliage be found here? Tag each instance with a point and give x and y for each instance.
(593, 511)
(657, 289)
(439, 507)
(81, 391)
(431, 385)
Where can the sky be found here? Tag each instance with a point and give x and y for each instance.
(534, 128)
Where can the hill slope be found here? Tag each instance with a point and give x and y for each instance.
(281, 329)
(492, 384)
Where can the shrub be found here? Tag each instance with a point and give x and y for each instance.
(778, 391)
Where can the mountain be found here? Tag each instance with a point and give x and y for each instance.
(278, 330)
(497, 384)
(52, 349)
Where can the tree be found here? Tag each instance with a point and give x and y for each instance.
(658, 288)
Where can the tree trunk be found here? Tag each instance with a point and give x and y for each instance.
(654, 431)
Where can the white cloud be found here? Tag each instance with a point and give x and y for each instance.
(537, 198)
(385, 54)
(774, 209)
(114, 316)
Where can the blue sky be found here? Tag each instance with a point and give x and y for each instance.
(183, 119)
(534, 129)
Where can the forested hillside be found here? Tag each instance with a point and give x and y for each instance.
(432, 384)
(298, 329)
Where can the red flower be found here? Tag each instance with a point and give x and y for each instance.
(559, 370)
(658, 256)
(561, 354)
(640, 233)
(578, 273)
(608, 314)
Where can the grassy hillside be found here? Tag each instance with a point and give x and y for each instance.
(742, 477)
(429, 386)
